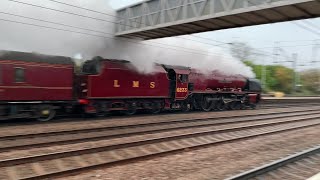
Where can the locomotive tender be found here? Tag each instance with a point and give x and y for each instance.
(38, 86)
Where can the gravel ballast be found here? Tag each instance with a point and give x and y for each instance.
(215, 162)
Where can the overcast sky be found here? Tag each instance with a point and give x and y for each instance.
(20, 33)
(264, 36)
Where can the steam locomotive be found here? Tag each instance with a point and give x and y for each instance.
(40, 86)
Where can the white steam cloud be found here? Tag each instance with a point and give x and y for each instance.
(143, 54)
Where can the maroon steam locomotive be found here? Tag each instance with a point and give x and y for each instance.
(38, 86)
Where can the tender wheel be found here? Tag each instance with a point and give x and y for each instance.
(101, 110)
(132, 109)
(46, 114)
(130, 112)
(156, 108)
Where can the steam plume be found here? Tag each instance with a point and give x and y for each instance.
(143, 54)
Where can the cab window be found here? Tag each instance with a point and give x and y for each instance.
(92, 67)
(183, 78)
(19, 75)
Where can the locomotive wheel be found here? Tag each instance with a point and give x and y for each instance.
(253, 106)
(237, 106)
(102, 114)
(46, 114)
(232, 105)
(221, 106)
(205, 104)
(214, 105)
(242, 106)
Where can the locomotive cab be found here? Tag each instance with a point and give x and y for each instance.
(179, 81)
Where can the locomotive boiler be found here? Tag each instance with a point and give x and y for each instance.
(215, 90)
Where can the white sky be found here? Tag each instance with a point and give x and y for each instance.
(22, 37)
(264, 36)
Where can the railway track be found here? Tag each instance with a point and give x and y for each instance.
(78, 117)
(134, 142)
(302, 165)
(34, 139)
(286, 105)
(16, 130)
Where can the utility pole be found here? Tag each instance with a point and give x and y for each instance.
(294, 66)
(276, 52)
(314, 58)
(263, 74)
(264, 65)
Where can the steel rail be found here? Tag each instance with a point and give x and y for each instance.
(236, 134)
(128, 121)
(275, 165)
(269, 104)
(78, 136)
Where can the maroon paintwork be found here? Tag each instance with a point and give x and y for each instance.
(38, 86)
(119, 80)
(182, 91)
(43, 81)
(216, 81)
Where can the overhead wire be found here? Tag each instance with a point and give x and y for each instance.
(290, 41)
(144, 24)
(79, 7)
(61, 11)
(107, 14)
(65, 12)
(312, 24)
(297, 24)
(307, 28)
(266, 53)
(81, 28)
(51, 22)
(302, 45)
(77, 27)
(103, 32)
(87, 9)
(222, 43)
(90, 17)
(107, 37)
